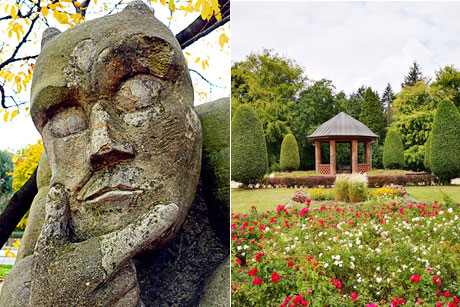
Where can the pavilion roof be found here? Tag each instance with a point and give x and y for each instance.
(343, 125)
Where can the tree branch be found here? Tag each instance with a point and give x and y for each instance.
(17, 207)
(200, 28)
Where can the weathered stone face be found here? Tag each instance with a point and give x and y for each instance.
(113, 101)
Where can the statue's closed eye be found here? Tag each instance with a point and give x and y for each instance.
(68, 121)
(138, 93)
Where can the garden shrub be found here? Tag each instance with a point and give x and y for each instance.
(249, 150)
(445, 147)
(292, 182)
(389, 190)
(374, 181)
(357, 185)
(320, 193)
(299, 196)
(378, 181)
(341, 187)
(393, 151)
(427, 158)
(289, 157)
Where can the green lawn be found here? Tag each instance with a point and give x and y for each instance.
(263, 199)
(269, 199)
(432, 193)
(4, 270)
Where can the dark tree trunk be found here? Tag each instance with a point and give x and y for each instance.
(17, 207)
(200, 28)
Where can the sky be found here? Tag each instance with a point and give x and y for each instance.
(20, 131)
(351, 43)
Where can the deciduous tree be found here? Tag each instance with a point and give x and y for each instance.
(268, 83)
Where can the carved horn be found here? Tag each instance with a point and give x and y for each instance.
(48, 35)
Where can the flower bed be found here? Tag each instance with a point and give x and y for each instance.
(374, 255)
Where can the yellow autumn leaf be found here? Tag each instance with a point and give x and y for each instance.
(163, 2)
(203, 65)
(205, 8)
(45, 11)
(9, 253)
(9, 174)
(13, 12)
(14, 114)
(77, 4)
(6, 8)
(197, 60)
(5, 117)
(187, 53)
(222, 40)
(15, 158)
(16, 243)
(172, 7)
(9, 76)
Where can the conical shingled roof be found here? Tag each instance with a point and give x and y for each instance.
(343, 125)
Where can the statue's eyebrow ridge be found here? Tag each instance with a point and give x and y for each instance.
(48, 97)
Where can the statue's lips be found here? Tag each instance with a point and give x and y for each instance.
(120, 179)
(118, 191)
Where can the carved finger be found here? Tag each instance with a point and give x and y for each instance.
(55, 227)
(119, 246)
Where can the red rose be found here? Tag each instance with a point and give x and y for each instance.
(257, 281)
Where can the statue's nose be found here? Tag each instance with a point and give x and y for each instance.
(109, 145)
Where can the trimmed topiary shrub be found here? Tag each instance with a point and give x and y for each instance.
(393, 151)
(289, 157)
(427, 158)
(445, 146)
(249, 151)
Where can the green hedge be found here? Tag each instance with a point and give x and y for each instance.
(393, 151)
(427, 158)
(289, 157)
(249, 151)
(445, 147)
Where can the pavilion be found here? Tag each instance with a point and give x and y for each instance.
(343, 128)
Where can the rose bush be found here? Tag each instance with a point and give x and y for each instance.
(373, 255)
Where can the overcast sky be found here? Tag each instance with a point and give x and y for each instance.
(351, 43)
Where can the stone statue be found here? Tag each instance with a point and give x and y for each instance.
(113, 101)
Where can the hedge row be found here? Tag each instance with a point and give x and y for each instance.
(309, 182)
(379, 181)
(375, 181)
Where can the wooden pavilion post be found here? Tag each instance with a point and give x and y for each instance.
(317, 155)
(354, 156)
(369, 154)
(332, 157)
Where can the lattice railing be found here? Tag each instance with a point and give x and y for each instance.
(363, 168)
(324, 169)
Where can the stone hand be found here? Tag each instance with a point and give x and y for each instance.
(95, 272)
